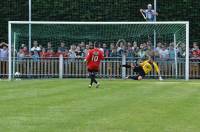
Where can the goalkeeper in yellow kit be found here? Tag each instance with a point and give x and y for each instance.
(144, 68)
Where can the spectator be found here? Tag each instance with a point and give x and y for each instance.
(78, 52)
(22, 46)
(135, 49)
(105, 50)
(149, 14)
(195, 46)
(35, 56)
(171, 51)
(50, 53)
(181, 50)
(149, 51)
(20, 54)
(72, 52)
(35, 47)
(141, 52)
(164, 53)
(62, 47)
(58, 53)
(114, 53)
(3, 51)
(49, 46)
(66, 54)
(130, 53)
(43, 53)
(87, 48)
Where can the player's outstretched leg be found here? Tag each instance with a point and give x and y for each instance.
(138, 77)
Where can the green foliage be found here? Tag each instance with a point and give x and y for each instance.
(99, 10)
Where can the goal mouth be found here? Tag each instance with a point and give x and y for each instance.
(103, 32)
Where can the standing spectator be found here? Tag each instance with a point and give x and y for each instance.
(171, 51)
(135, 49)
(20, 55)
(3, 51)
(50, 53)
(72, 52)
(141, 52)
(105, 50)
(66, 54)
(87, 48)
(35, 56)
(114, 53)
(35, 47)
(164, 53)
(181, 50)
(78, 52)
(149, 14)
(43, 53)
(195, 46)
(58, 53)
(62, 47)
(22, 46)
(130, 53)
(49, 46)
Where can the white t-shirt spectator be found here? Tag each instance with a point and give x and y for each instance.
(164, 54)
(36, 48)
(3, 54)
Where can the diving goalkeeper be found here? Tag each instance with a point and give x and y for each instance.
(143, 68)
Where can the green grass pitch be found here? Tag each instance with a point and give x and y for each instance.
(117, 106)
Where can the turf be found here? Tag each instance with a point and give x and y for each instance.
(117, 106)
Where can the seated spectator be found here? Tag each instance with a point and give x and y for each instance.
(3, 51)
(35, 47)
(164, 53)
(62, 47)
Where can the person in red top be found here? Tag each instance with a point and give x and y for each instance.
(93, 60)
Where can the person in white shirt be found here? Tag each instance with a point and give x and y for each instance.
(149, 14)
(35, 46)
(3, 51)
(164, 53)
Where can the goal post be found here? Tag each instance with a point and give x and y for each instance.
(102, 31)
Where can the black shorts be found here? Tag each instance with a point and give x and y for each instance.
(139, 70)
(93, 70)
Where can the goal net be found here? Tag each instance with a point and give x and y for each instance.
(122, 42)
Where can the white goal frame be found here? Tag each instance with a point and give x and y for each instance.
(100, 23)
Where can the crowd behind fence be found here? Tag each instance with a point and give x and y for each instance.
(76, 68)
(43, 62)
